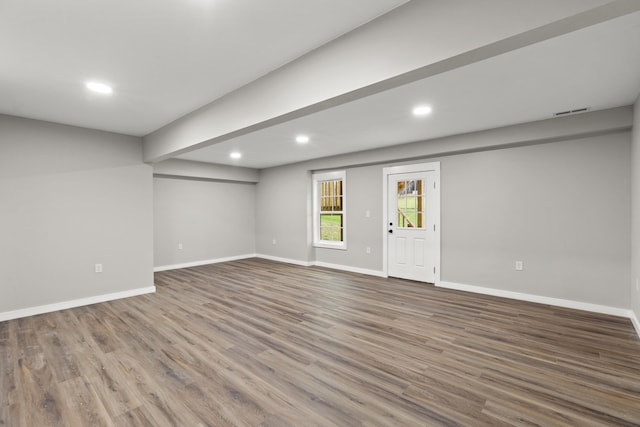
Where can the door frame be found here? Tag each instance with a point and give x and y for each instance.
(418, 167)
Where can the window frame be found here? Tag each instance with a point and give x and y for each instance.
(317, 179)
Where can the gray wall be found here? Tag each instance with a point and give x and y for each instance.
(283, 207)
(211, 219)
(635, 212)
(563, 208)
(364, 193)
(71, 198)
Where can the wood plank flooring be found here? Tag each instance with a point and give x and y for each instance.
(260, 343)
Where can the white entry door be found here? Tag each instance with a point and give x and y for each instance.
(413, 244)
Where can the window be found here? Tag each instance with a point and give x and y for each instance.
(329, 212)
(411, 212)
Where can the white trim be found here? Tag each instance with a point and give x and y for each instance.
(635, 321)
(596, 308)
(417, 167)
(203, 262)
(316, 178)
(392, 170)
(324, 265)
(385, 220)
(286, 260)
(350, 269)
(48, 308)
(325, 244)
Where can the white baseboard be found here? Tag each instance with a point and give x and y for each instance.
(287, 260)
(596, 308)
(203, 262)
(635, 321)
(48, 308)
(323, 264)
(349, 269)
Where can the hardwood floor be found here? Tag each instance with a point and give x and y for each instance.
(260, 343)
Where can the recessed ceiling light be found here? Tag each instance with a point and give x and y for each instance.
(302, 139)
(235, 155)
(99, 88)
(422, 110)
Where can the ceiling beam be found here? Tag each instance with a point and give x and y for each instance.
(413, 42)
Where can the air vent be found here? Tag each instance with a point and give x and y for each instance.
(568, 112)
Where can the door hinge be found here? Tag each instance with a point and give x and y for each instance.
(434, 227)
(434, 270)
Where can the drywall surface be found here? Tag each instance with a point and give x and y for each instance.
(71, 198)
(394, 49)
(283, 213)
(600, 122)
(364, 222)
(202, 220)
(178, 168)
(635, 212)
(562, 208)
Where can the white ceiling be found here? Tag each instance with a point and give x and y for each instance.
(597, 67)
(165, 58)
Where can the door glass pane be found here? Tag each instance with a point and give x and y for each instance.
(411, 203)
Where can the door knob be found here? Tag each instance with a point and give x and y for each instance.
(390, 231)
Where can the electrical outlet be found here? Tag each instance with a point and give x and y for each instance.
(368, 250)
(367, 214)
(180, 246)
(98, 268)
(519, 266)
(274, 241)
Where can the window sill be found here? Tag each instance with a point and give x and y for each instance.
(329, 245)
